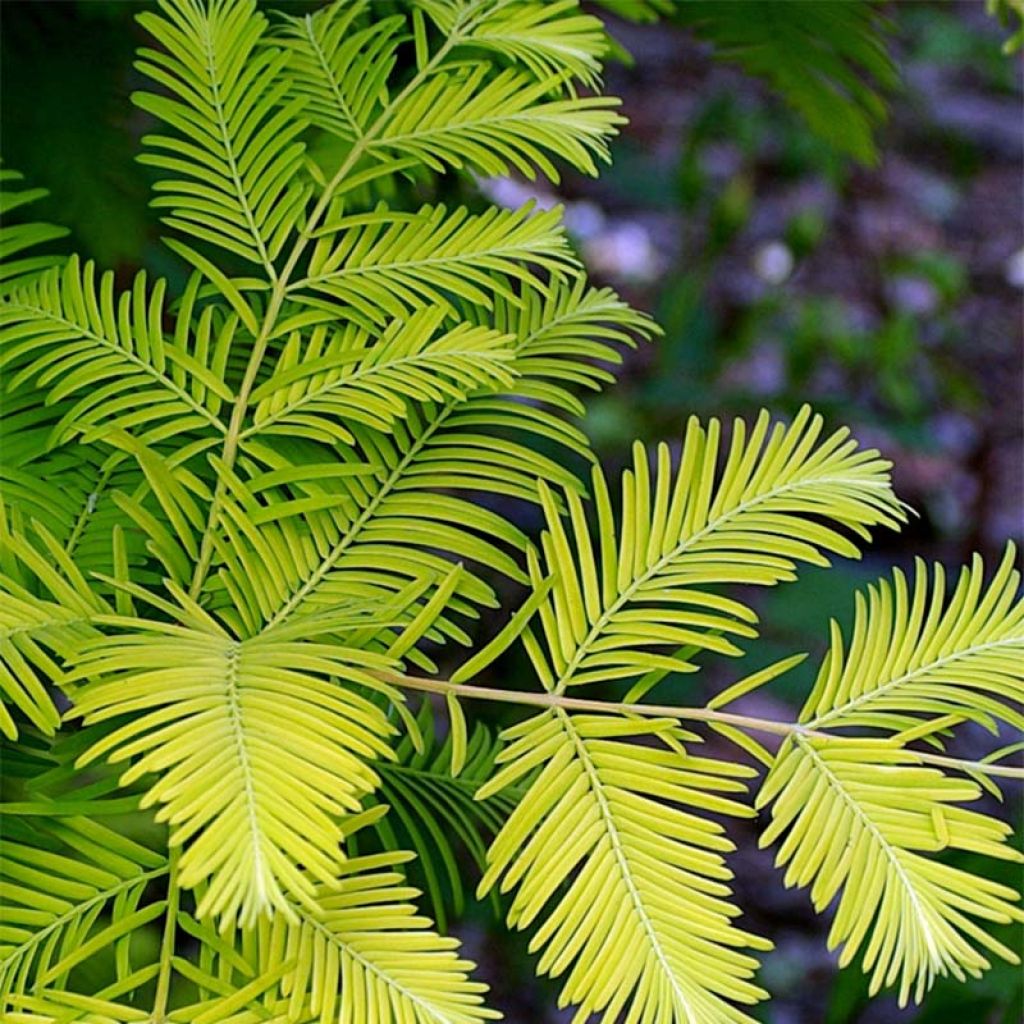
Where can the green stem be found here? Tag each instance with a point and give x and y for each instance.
(92, 499)
(277, 297)
(163, 981)
(745, 722)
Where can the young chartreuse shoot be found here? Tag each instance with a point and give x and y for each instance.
(242, 516)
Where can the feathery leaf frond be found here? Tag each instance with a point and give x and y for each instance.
(351, 377)
(913, 917)
(338, 64)
(360, 952)
(60, 878)
(914, 651)
(612, 837)
(69, 489)
(918, 661)
(287, 746)
(76, 338)
(553, 40)
(31, 630)
(38, 633)
(431, 809)
(383, 264)
(828, 61)
(237, 518)
(749, 521)
(16, 239)
(77, 893)
(499, 125)
(558, 341)
(457, 112)
(237, 157)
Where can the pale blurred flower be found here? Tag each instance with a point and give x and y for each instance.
(773, 262)
(1015, 269)
(584, 219)
(623, 251)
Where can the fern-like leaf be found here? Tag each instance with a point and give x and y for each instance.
(612, 838)
(914, 651)
(828, 61)
(457, 111)
(17, 267)
(338, 64)
(318, 387)
(77, 895)
(383, 264)
(917, 662)
(499, 125)
(237, 156)
(60, 878)
(750, 521)
(379, 523)
(361, 952)
(553, 40)
(432, 810)
(288, 748)
(39, 631)
(914, 918)
(605, 617)
(79, 339)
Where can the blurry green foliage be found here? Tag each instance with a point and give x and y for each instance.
(1010, 13)
(883, 346)
(827, 58)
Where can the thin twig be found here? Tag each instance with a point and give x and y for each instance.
(685, 714)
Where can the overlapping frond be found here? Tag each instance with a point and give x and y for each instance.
(77, 894)
(615, 864)
(432, 810)
(918, 662)
(553, 40)
(564, 339)
(379, 522)
(73, 337)
(372, 543)
(68, 489)
(47, 611)
(882, 812)
(31, 631)
(459, 110)
(346, 376)
(828, 61)
(283, 472)
(338, 64)
(257, 749)
(776, 500)
(497, 125)
(383, 264)
(72, 888)
(916, 651)
(17, 266)
(362, 953)
(236, 158)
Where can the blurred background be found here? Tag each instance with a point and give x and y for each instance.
(868, 259)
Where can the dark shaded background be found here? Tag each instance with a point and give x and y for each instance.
(782, 272)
